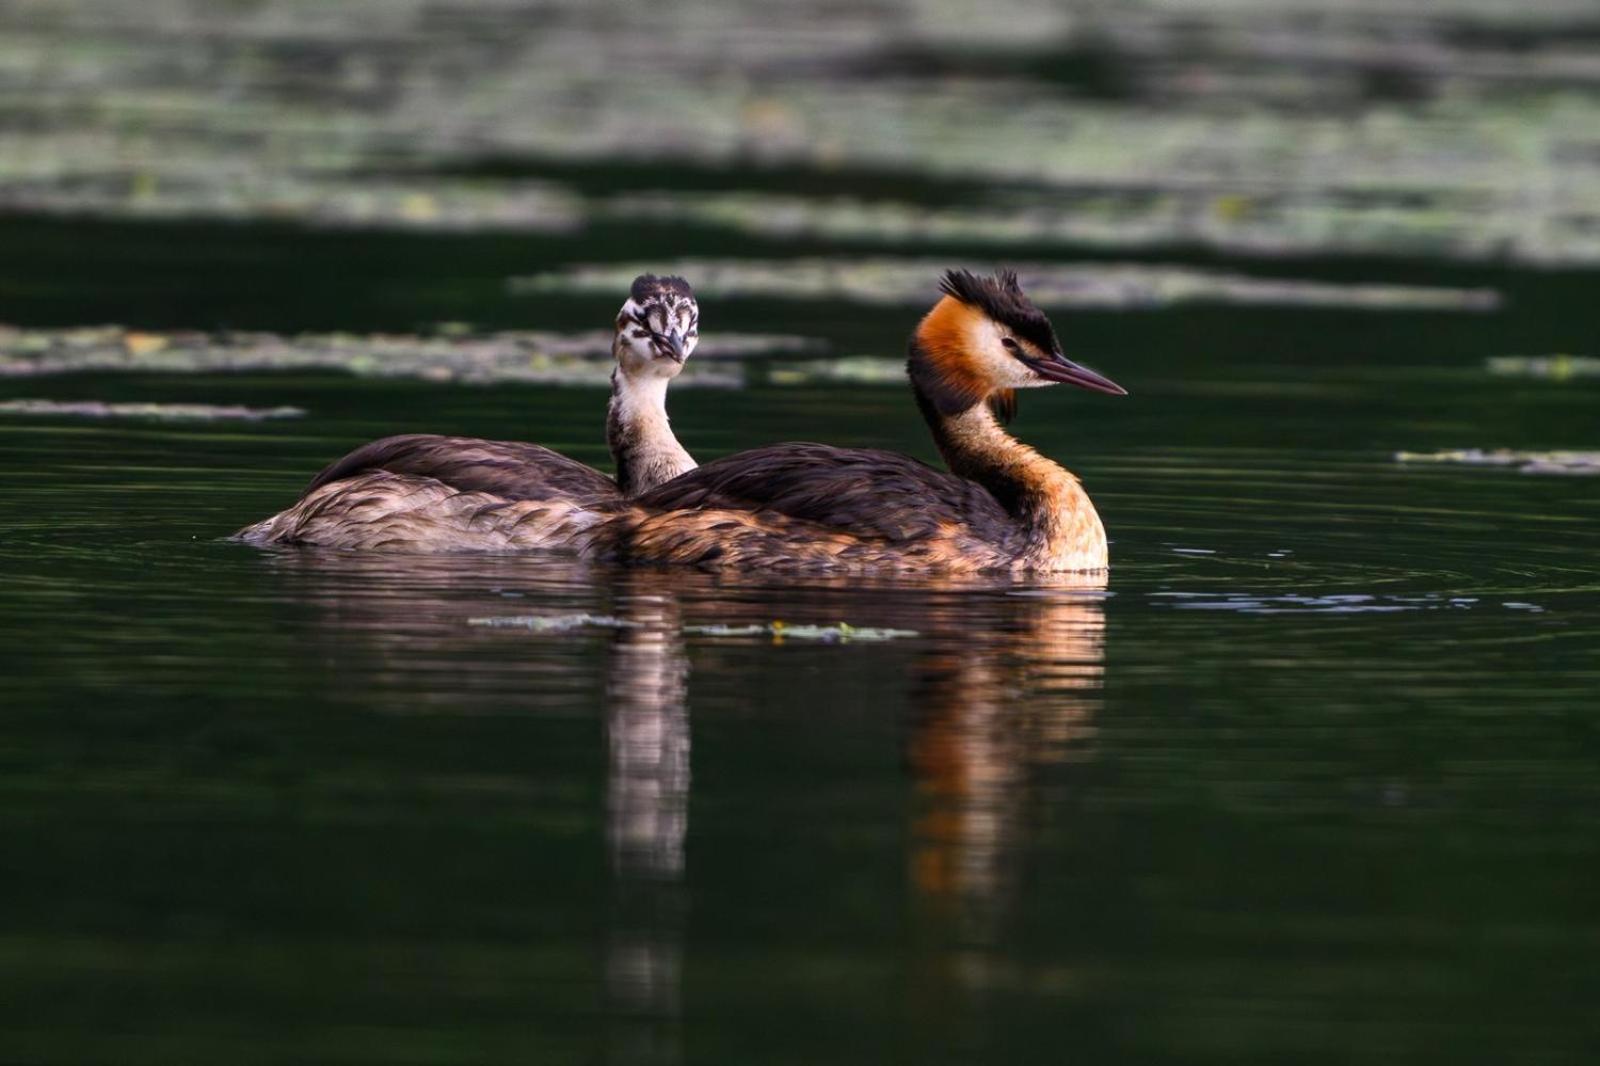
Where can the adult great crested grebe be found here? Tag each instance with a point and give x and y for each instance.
(1003, 506)
(421, 492)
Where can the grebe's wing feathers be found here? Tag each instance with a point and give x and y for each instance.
(863, 491)
(509, 469)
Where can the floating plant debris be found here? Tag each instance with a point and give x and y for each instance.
(841, 633)
(558, 623)
(1551, 367)
(521, 356)
(1109, 285)
(1296, 603)
(173, 412)
(1552, 462)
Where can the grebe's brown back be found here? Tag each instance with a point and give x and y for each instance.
(423, 492)
(1002, 506)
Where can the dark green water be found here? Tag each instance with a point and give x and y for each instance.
(1315, 778)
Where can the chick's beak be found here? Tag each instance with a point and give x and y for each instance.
(1059, 368)
(675, 347)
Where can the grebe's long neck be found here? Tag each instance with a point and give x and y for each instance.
(1059, 523)
(639, 434)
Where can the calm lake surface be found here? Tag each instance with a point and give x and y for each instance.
(1311, 778)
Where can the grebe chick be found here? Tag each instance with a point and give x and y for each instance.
(421, 492)
(1002, 506)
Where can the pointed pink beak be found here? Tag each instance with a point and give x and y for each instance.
(1059, 368)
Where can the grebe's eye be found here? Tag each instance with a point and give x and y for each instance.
(1011, 345)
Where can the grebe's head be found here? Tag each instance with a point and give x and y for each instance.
(985, 338)
(657, 329)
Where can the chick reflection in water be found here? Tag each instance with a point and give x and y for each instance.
(401, 624)
(1002, 684)
(647, 819)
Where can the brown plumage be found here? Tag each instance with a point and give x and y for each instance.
(384, 511)
(421, 492)
(1002, 506)
(510, 469)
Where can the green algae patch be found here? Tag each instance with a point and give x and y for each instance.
(1128, 213)
(450, 355)
(848, 370)
(1560, 367)
(908, 282)
(1526, 462)
(164, 412)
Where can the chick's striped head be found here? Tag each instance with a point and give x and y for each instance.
(658, 328)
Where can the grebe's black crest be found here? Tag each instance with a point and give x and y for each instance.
(648, 286)
(1002, 299)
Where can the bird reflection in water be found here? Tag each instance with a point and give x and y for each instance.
(647, 818)
(1003, 683)
(992, 708)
